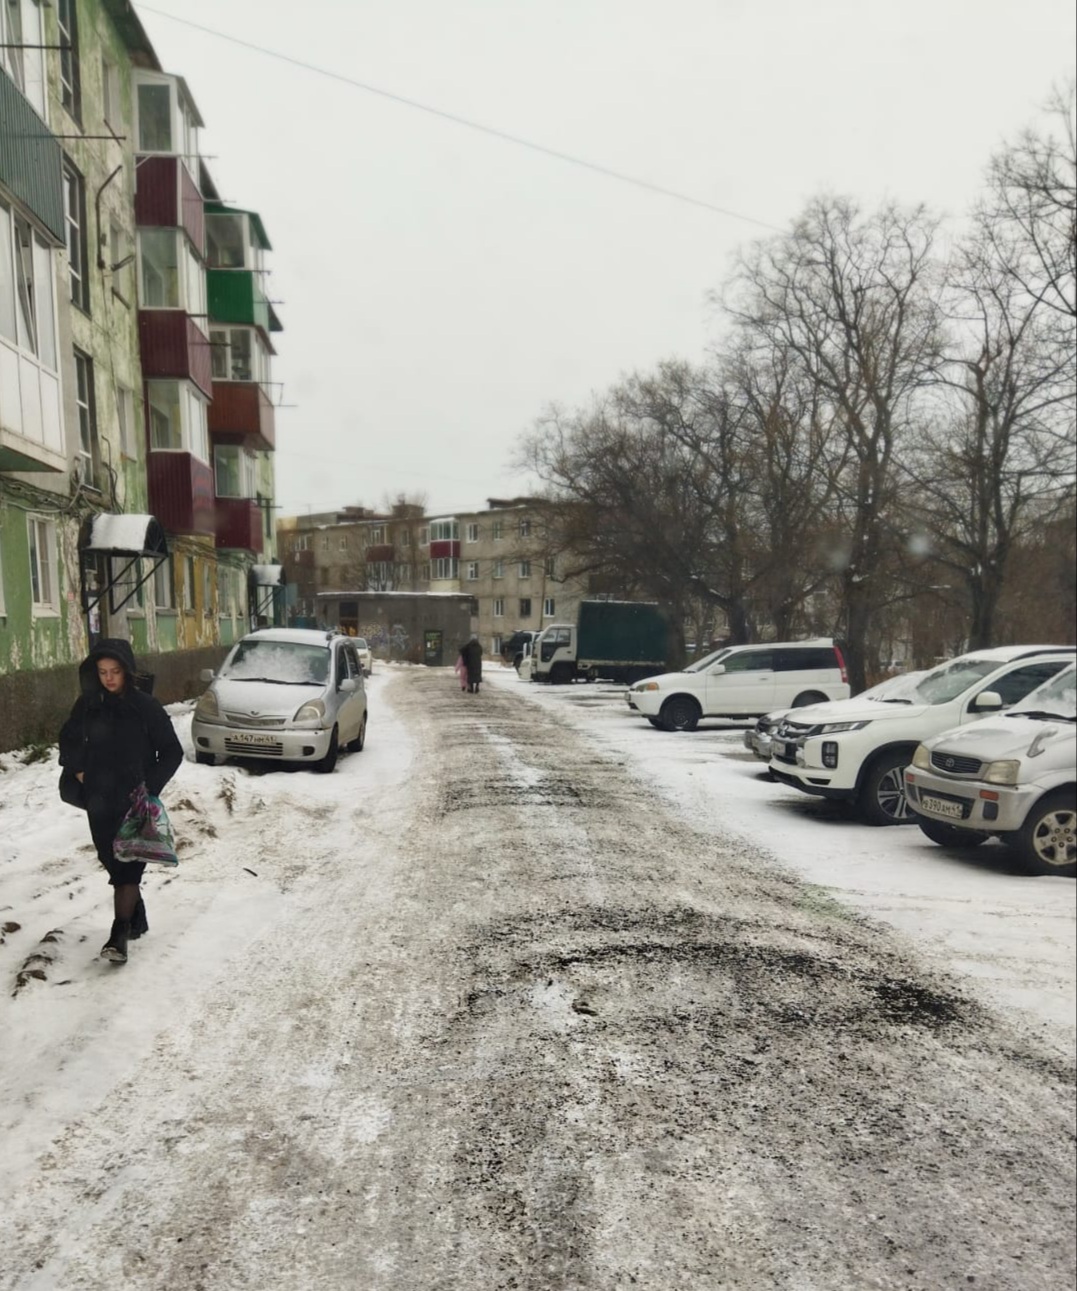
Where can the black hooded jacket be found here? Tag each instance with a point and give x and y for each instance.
(117, 741)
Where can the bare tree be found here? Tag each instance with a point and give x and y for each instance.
(852, 300)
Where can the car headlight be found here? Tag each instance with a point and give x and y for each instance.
(646, 685)
(921, 759)
(832, 728)
(1004, 772)
(314, 711)
(207, 706)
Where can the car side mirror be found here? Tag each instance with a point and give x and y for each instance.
(207, 674)
(718, 668)
(348, 685)
(987, 701)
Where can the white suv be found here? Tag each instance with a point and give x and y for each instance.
(857, 750)
(1014, 777)
(743, 681)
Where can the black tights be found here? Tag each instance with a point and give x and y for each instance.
(125, 898)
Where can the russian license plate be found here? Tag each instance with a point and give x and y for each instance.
(247, 737)
(940, 807)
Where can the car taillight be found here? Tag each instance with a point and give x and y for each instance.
(841, 665)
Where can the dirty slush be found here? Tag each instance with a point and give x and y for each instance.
(567, 1042)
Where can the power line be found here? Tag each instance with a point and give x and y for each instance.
(504, 135)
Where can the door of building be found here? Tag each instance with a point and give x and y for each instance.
(433, 647)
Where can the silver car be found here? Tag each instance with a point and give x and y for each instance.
(286, 694)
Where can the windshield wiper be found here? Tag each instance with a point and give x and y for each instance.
(1042, 715)
(893, 701)
(274, 681)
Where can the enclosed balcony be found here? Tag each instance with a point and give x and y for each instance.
(239, 524)
(167, 197)
(235, 296)
(173, 346)
(241, 413)
(181, 492)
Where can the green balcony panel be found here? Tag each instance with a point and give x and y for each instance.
(235, 297)
(31, 161)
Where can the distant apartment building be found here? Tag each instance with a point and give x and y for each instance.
(501, 557)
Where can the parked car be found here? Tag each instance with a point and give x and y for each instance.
(743, 681)
(1013, 777)
(759, 738)
(366, 655)
(512, 647)
(286, 694)
(857, 750)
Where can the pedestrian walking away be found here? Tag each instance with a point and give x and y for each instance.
(471, 654)
(117, 738)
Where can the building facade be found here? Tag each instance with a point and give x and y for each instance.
(136, 420)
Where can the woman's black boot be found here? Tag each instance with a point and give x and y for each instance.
(139, 922)
(115, 949)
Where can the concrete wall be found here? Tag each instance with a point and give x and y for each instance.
(34, 705)
(395, 623)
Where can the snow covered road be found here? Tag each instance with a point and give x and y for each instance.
(488, 1007)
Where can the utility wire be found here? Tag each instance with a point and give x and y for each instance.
(504, 135)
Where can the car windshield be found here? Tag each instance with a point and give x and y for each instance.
(896, 690)
(949, 680)
(287, 662)
(1055, 698)
(701, 664)
(360, 643)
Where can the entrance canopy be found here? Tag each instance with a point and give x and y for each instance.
(125, 535)
(266, 576)
(111, 548)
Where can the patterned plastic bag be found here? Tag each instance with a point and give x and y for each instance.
(145, 833)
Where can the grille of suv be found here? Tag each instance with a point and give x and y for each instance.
(952, 764)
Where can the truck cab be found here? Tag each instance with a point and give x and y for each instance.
(554, 654)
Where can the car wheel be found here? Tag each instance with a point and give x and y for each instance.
(680, 714)
(1047, 843)
(561, 674)
(356, 745)
(882, 798)
(809, 697)
(205, 759)
(950, 835)
(329, 762)
(655, 722)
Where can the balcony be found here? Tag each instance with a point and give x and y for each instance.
(241, 413)
(31, 160)
(445, 549)
(235, 297)
(167, 197)
(181, 492)
(239, 524)
(173, 347)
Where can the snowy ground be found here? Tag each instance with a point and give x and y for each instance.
(529, 995)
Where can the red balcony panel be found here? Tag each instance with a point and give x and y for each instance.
(241, 413)
(239, 524)
(380, 552)
(181, 492)
(439, 550)
(173, 346)
(167, 197)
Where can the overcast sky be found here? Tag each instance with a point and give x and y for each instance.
(439, 287)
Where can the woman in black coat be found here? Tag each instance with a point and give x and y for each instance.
(117, 738)
(471, 653)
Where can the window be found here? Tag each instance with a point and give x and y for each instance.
(111, 109)
(379, 574)
(473, 533)
(549, 608)
(525, 607)
(27, 312)
(525, 528)
(188, 582)
(424, 536)
(236, 355)
(445, 567)
(163, 593)
(43, 590)
(405, 537)
(497, 531)
(806, 658)
(472, 570)
(70, 91)
(233, 468)
(499, 608)
(499, 569)
(377, 533)
(550, 567)
(177, 419)
(750, 661)
(75, 215)
(87, 414)
(207, 588)
(154, 118)
(158, 255)
(343, 544)
(325, 542)
(525, 569)
(125, 417)
(1021, 681)
(225, 241)
(445, 531)
(495, 645)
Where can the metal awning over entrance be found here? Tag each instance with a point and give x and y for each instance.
(265, 586)
(111, 549)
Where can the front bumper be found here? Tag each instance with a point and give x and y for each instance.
(647, 703)
(280, 744)
(760, 743)
(994, 809)
(800, 763)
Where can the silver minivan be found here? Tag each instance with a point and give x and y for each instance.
(286, 694)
